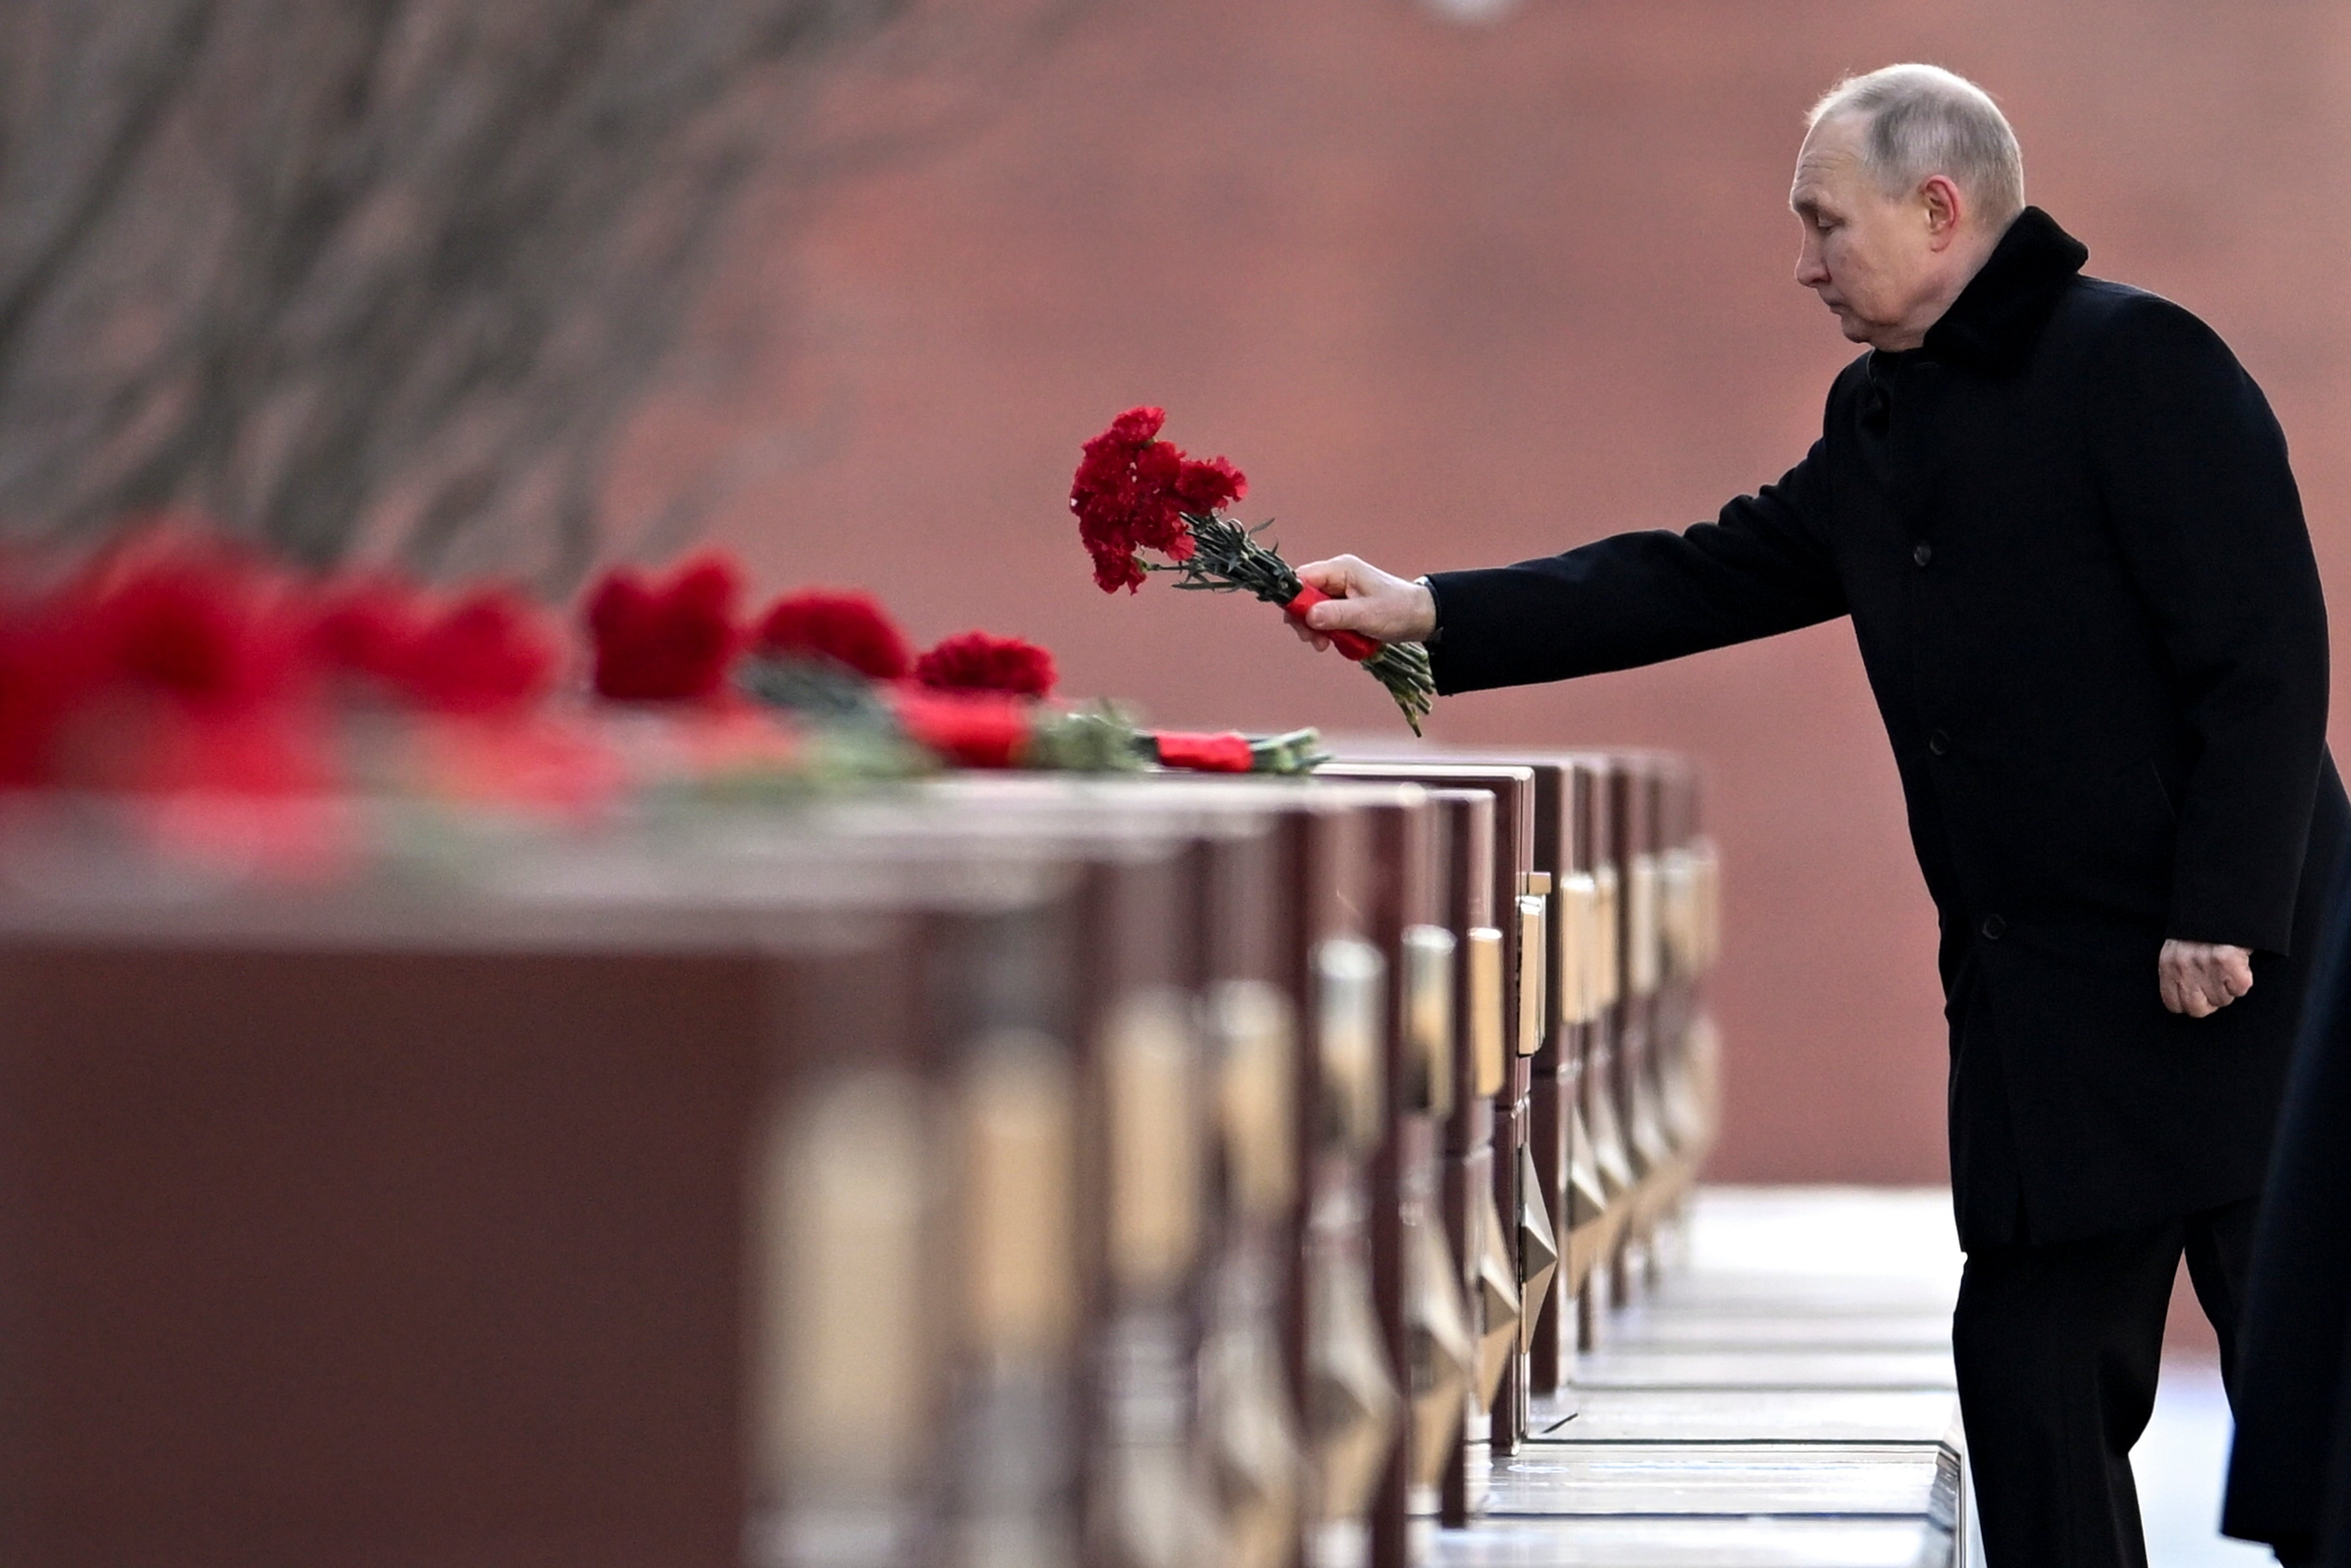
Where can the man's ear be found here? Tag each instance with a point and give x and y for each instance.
(1946, 210)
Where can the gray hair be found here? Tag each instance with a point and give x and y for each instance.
(1922, 120)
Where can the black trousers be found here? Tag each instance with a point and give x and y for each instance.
(2057, 1347)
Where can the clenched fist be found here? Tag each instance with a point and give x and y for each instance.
(1366, 600)
(2200, 979)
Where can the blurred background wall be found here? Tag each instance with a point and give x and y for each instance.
(1463, 294)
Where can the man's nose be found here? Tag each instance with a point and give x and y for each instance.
(1811, 272)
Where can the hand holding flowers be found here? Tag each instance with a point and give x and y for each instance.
(1358, 597)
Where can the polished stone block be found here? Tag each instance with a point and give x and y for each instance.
(1699, 1328)
(1689, 1544)
(1638, 1366)
(1579, 1479)
(1745, 1415)
(1784, 1397)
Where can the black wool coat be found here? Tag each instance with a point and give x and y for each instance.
(2290, 1468)
(2075, 558)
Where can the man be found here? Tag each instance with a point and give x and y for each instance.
(2062, 522)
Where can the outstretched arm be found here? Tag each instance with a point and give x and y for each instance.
(1762, 567)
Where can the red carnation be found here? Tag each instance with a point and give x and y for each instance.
(365, 629)
(1128, 496)
(1136, 426)
(1203, 488)
(669, 641)
(977, 662)
(487, 653)
(190, 628)
(163, 669)
(847, 628)
(49, 660)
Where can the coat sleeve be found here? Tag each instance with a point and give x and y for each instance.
(2193, 469)
(1761, 567)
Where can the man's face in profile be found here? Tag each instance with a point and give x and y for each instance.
(1865, 253)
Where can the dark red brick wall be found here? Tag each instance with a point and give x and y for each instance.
(1456, 295)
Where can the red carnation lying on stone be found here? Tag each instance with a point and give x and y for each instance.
(191, 628)
(166, 668)
(49, 661)
(487, 653)
(847, 628)
(364, 630)
(665, 640)
(979, 661)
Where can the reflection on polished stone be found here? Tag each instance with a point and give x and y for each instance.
(1784, 1398)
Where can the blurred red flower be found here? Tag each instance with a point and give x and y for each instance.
(169, 668)
(979, 661)
(175, 665)
(487, 653)
(192, 629)
(364, 629)
(48, 665)
(666, 640)
(847, 628)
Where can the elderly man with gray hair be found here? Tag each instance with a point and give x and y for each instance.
(2061, 518)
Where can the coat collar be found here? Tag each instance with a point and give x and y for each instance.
(1997, 317)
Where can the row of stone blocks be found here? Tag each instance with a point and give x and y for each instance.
(1009, 1170)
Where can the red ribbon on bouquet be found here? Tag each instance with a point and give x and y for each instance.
(1226, 753)
(1354, 644)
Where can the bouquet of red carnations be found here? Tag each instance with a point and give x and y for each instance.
(1135, 492)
